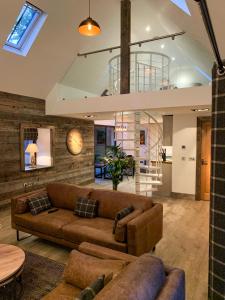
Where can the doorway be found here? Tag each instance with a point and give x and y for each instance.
(203, 158)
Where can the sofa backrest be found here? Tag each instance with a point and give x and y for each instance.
(111, 202)
(141, 279)
(63, 195)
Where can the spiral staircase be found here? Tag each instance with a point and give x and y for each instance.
(140, 134)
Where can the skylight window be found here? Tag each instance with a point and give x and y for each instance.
(182, 4)
(24, 32)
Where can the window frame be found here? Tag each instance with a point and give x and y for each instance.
(28, 30)
(31, 32)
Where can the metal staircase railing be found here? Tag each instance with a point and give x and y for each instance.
(148, 164)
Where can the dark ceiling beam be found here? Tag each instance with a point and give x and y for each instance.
(125, 38)
(210, 31)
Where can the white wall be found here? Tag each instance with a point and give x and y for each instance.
(60, 92)
(189, 97)
(184, 167)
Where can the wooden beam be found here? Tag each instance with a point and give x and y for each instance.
(125, 47)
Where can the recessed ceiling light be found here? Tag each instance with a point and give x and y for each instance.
(148, 28)
(200, 109)
(162, 46)
(89, 116)
(173, 58)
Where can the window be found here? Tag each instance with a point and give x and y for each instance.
(182, 4)
(25, 30)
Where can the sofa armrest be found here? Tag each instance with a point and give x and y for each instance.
(174, 287)
(121, 227)
(145, 231)
(104, 253)
(18, 203)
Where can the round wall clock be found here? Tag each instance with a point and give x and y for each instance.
(74, 141)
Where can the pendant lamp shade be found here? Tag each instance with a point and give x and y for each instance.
(89, 27)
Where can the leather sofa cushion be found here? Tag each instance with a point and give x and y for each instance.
(63, 291)
(82, 269)
(141, 279)
(63, 195)
(21, 205)
(50, 224)
(97, 231)
(111, 202)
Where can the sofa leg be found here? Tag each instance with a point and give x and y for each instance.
(23, 238)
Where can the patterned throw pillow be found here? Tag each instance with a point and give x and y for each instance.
(121, 214)
(38, 204)
(86, 208)
(91, 291)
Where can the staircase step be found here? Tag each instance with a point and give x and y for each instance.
(149, 190)
(150, 167)
(150, 175)
(154, 182)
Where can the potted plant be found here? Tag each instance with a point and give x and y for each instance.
(116, 161)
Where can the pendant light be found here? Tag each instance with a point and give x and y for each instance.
(89, 27)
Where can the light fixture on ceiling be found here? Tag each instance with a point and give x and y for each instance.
(200, 109)
(89, 27)
(173, 58)
(162, 46)
(148, 28)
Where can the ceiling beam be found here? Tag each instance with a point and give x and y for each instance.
(125, 38)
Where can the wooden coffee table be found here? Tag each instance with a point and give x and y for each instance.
(12, 261)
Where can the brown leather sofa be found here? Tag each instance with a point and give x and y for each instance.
(135, 234)
(142, 278)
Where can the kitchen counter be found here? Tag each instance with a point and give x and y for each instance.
(165, 189)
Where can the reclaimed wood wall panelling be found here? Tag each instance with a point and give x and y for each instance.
(14, 110)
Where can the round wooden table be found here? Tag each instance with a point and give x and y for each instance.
(12, 260)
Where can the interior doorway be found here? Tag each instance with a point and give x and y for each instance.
(203, 158)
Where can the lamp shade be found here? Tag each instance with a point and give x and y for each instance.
(32, 148)
(89, 27)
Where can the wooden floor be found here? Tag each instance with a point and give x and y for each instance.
(184, 245)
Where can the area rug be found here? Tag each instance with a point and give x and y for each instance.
(39, 277)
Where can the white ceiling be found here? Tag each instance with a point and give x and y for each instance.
(54, 51)
(162, 17)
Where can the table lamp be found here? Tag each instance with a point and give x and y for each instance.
(32, 149)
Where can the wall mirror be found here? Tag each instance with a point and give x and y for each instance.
(36, 146)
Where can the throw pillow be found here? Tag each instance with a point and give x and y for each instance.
(91, 291)
(86, 208)
(82, 269)
(121, 214)
(21, 202)
(38, 204)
